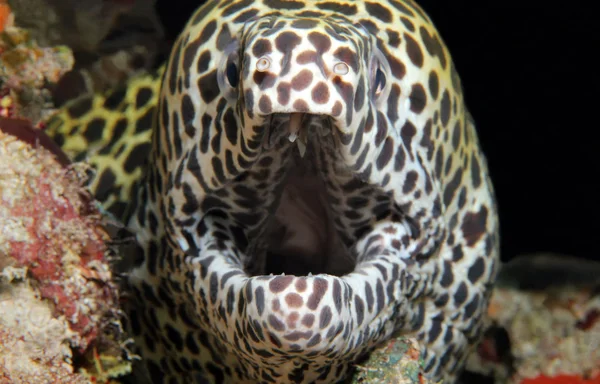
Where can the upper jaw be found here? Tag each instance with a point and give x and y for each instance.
(296, 127)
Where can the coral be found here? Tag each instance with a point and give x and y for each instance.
(80, 24)
(549, 308)
(27, 72)
(6, 16)
(395, 362)
(33, 343)
(52, 237)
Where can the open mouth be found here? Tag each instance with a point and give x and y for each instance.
(302, 235)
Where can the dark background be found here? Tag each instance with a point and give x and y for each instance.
(531, 77)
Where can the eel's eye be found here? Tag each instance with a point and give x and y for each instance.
(379, 84)
(379, 72)
(231, 72)
(228, 72)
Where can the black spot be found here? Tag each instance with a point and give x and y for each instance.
(93, 130)
(154, 370)
(475, 172)
(434, 84)
(80, 107)
(113, 100)
(231, 127)
(174, 336)
(397, 67)
(407, 23)
(207, 32)
(410, 182)
(106, 183)
(316, 339)
(283, 93)
(144, 123)
(456, 133)
(471, 308)
(143, 95)
(260, 300)
(119, 129)
(337, 296)
(442, 300)
(320, 41)
(392, 103)
(393, 38)
(218, 170)
(320, 93)
(224, 38)
(325, 317)
(445, 108)
(462, 197)
(204, 10)
(284, 4)
(203, 62)
(209, 87)
(379, 11)
(457, 253)
(370, 25)
(476, 270)
(213, 287)
(313, 14)
(359, 96)
(190, 205)
(205, 137)
(399, 159)
(400, 5)
(359, 308)
(344, 9)
(407, 133)
(261, 47)
(452, 186)
(413, 50)
(275, 323)
(245, 16)
(174, 66)
(418, 98)
(447, 275)
(216, 372)
(474, 225)
(433, 45)
(287, 41)
(439, 162)
(304, 23)
(188, 112)
(434, 331)
(236, 6)
(360, 161)
(137, 157)
(460, 296)
(264, 80)
(176, 134)
(385, 155)
(264, 104)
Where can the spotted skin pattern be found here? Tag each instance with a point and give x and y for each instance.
(393, 155)
(112, 132)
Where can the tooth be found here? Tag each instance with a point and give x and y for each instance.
(293, 136)
(301, 147)
(295, 120)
